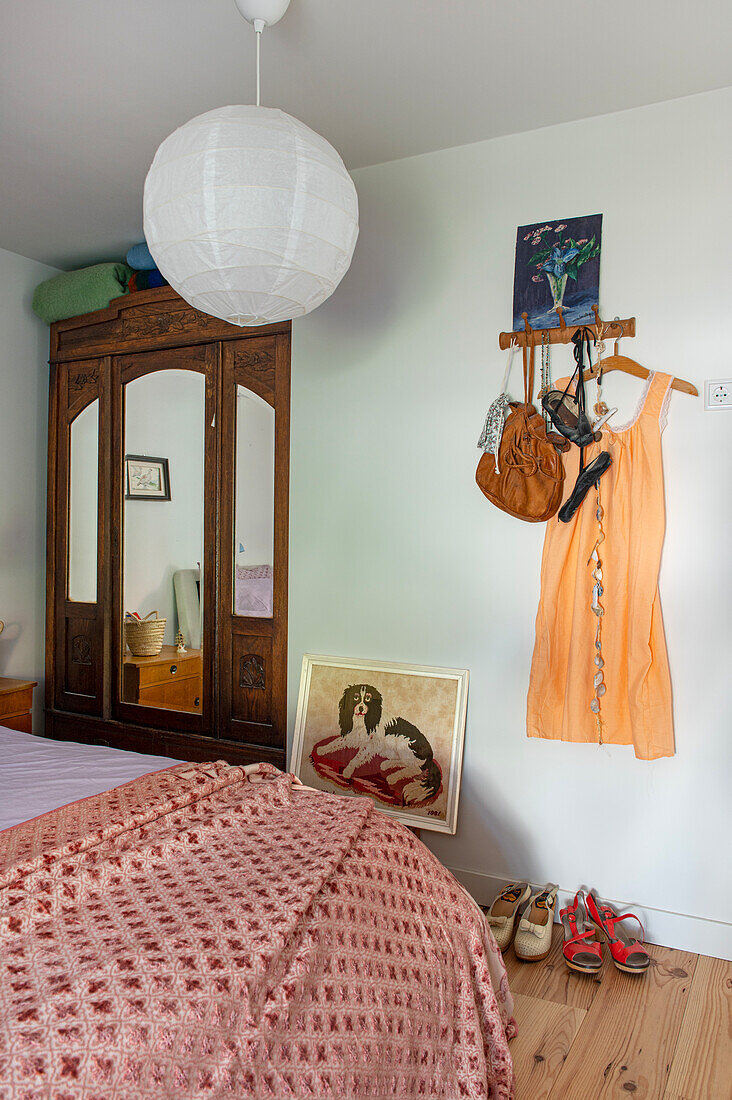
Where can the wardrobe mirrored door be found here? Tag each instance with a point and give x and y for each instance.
(76, 527)
(253, 505)
(166, 486)
(252, 622)
(163, 560)
(83, 505)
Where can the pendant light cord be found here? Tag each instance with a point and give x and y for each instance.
(259, 39)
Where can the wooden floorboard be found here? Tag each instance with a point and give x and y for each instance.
(551, 979)
(622, 1035)
(702, 1064)
(628, 1037)
(546, 1031)
(666, 1035)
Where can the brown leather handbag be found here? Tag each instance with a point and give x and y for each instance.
(530, 476)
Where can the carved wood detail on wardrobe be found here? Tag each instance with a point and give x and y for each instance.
(240, 714)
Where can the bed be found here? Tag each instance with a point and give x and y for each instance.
(253, 596)
(203, 930)
(38, 775)
(253, 590)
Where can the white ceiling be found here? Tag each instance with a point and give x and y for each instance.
(89, 88)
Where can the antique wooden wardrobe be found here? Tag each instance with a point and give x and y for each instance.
(150, 377)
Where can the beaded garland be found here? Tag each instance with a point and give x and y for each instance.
(598, 676)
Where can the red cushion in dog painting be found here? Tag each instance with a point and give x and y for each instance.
(330, 757)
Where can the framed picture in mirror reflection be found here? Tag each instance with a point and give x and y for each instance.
(146, 478)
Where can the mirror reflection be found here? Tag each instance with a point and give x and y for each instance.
(163, 540)
(254, 505)
(83, 502)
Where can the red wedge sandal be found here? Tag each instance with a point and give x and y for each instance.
(628, 954)
(582, 952)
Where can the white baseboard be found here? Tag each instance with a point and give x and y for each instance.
(678, 930)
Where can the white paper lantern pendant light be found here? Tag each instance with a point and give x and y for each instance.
(250, 215)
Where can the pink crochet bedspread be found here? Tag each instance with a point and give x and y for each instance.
(213, 931)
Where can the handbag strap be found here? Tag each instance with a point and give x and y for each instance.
(528, 375)
(511, 353)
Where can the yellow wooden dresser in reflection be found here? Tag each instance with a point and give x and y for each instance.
(171, 680)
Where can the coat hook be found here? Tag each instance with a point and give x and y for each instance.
(530, 337)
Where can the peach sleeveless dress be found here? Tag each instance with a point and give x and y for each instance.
(635, 707)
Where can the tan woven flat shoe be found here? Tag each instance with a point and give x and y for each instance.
(502, 914)
(533, 938)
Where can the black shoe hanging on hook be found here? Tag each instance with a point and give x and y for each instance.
(566, 410)
(588, 475)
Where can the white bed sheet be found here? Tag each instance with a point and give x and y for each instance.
(38, 774)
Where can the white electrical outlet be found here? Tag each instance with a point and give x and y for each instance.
(718, 393)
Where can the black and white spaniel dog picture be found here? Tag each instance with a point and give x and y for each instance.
(387, 753)
(393, 732)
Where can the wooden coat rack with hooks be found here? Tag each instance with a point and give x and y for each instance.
(613, 330)
(563, 334)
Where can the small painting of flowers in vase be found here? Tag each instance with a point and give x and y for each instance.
(557, 264)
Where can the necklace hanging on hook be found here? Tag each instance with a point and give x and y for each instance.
(600, 408)
(546, 375)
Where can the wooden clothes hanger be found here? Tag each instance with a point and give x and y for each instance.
(629, 366)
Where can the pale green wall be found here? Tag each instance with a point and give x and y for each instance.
(394, 552)
(23, 432)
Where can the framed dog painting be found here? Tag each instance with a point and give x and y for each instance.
(392, 732)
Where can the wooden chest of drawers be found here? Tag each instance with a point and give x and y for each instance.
(171, 680)
(16, 703)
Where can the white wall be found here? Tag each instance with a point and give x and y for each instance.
(23, 434)
(164, 419)
(395, 553)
